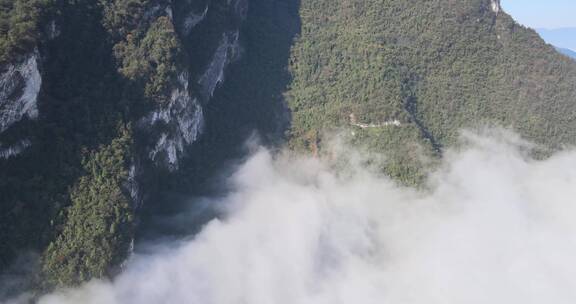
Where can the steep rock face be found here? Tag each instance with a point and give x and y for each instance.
(191, 19)
(495, 4)
(110, 99)
(177, 124)
(248, 102)
(20, 85)
(119, 97)
(203, 39)
(19, 88)
(172, 62)
(14, 149)
(142, 96)
(228, 51)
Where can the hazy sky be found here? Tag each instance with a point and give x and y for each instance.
(542, 14)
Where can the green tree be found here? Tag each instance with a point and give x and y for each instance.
(97, 229)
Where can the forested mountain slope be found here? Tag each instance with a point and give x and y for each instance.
(99, 99)
(567, 52)
(109, 109)
(410, 74)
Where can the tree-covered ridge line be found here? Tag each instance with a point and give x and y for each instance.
(97, 227)
(94, 232)
(399, 77)
(567, 52)
(67, 196)
(435, 66)
(147, 46)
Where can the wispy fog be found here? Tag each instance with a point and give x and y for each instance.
(493, 227)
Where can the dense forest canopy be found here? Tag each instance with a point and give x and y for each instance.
(20, 26)
(434, 67)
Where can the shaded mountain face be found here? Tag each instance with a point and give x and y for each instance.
(111, 111)
(98, 100)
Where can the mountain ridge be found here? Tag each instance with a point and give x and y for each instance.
(141, 104)
(567, 52)
(561, 37)
(437, 68)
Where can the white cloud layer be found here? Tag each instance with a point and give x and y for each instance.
(494, 227)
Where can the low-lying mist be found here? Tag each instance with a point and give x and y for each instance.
(491, 226)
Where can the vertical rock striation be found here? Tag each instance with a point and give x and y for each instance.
(177, 124)
(495, 5)
(19, 87)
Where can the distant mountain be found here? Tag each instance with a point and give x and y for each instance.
(562, 37)
(567, 52)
